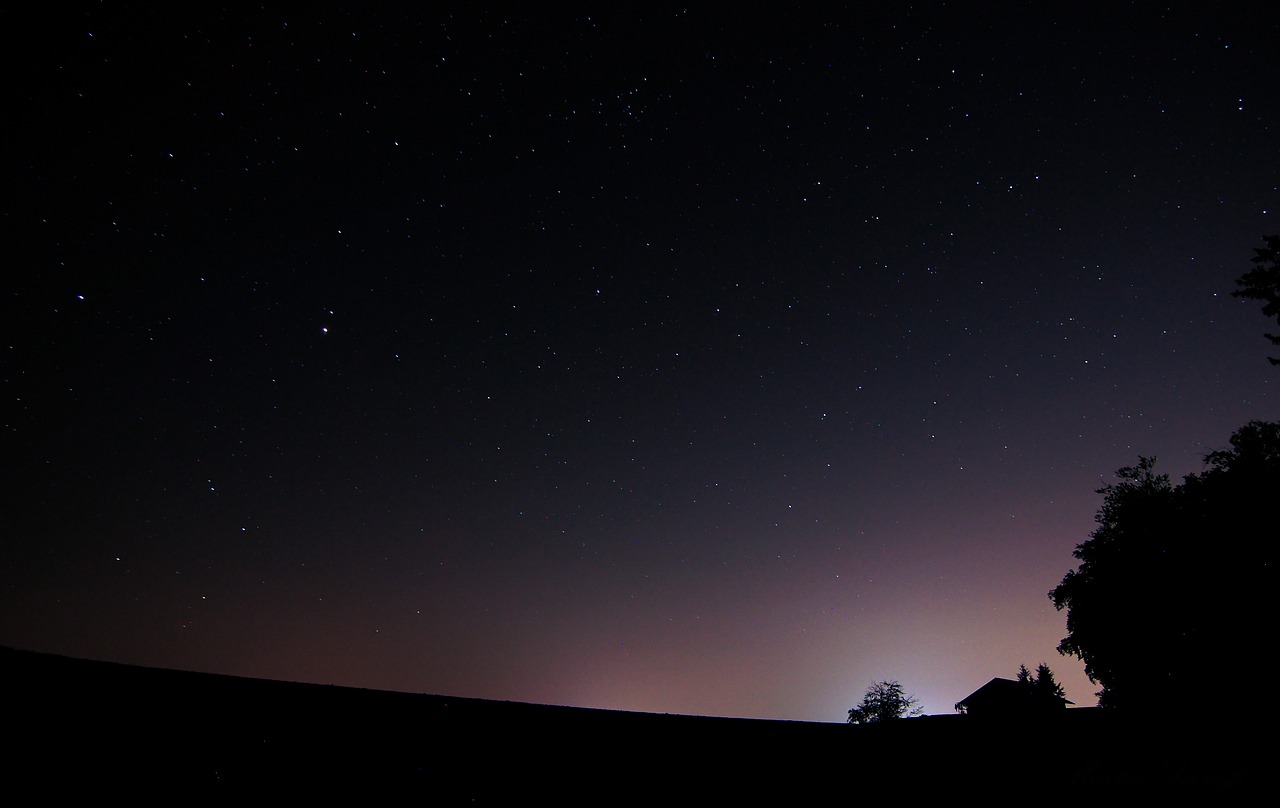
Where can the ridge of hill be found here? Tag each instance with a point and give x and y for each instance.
(87, 727)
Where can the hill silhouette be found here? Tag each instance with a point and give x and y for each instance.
(80, 727)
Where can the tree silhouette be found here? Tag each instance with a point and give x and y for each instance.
(1263, 283)
(1042, 689)
(884, 701)
(1175, 579)
(1045, 689)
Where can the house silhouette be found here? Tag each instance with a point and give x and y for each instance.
(1006, 698)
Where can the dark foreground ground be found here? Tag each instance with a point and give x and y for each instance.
(77, 728)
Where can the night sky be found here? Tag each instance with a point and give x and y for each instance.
(648, 357)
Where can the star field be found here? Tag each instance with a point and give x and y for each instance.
(646, 359)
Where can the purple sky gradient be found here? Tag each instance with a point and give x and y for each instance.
(646, 360)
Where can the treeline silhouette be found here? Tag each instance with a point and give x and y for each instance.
(1177, 582)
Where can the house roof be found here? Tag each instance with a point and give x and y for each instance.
(996, 689)
(999, 693)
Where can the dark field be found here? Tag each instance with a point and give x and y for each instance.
(80, 728)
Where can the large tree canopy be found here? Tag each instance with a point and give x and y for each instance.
(1176, 580)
